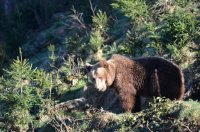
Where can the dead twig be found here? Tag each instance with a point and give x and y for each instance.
(91, 7)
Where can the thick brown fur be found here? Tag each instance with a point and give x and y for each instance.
(148, 77)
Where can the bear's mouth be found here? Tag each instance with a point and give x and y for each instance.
(101, 89)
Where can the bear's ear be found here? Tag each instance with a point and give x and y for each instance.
(88, 66)
(103, 63)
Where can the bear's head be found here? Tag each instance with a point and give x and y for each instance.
(102, 74)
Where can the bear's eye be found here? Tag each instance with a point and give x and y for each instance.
(93, 79)
(106, 82)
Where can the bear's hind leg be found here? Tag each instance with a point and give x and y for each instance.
(154, 84)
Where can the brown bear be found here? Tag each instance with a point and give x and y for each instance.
(147, 77)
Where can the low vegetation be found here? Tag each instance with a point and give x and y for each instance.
(161, 115)
(56, 41)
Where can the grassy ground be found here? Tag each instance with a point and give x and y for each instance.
(162, 115)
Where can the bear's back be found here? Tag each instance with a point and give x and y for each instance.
(156, 62)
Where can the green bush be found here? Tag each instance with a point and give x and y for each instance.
(170, 34)
(98, 32)
(180, 26)
(137, 10)
(25, 94)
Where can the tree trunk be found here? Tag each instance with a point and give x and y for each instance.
(6, 7)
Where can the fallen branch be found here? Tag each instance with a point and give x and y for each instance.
(79, 104)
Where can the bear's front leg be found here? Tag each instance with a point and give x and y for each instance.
(128, 101)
